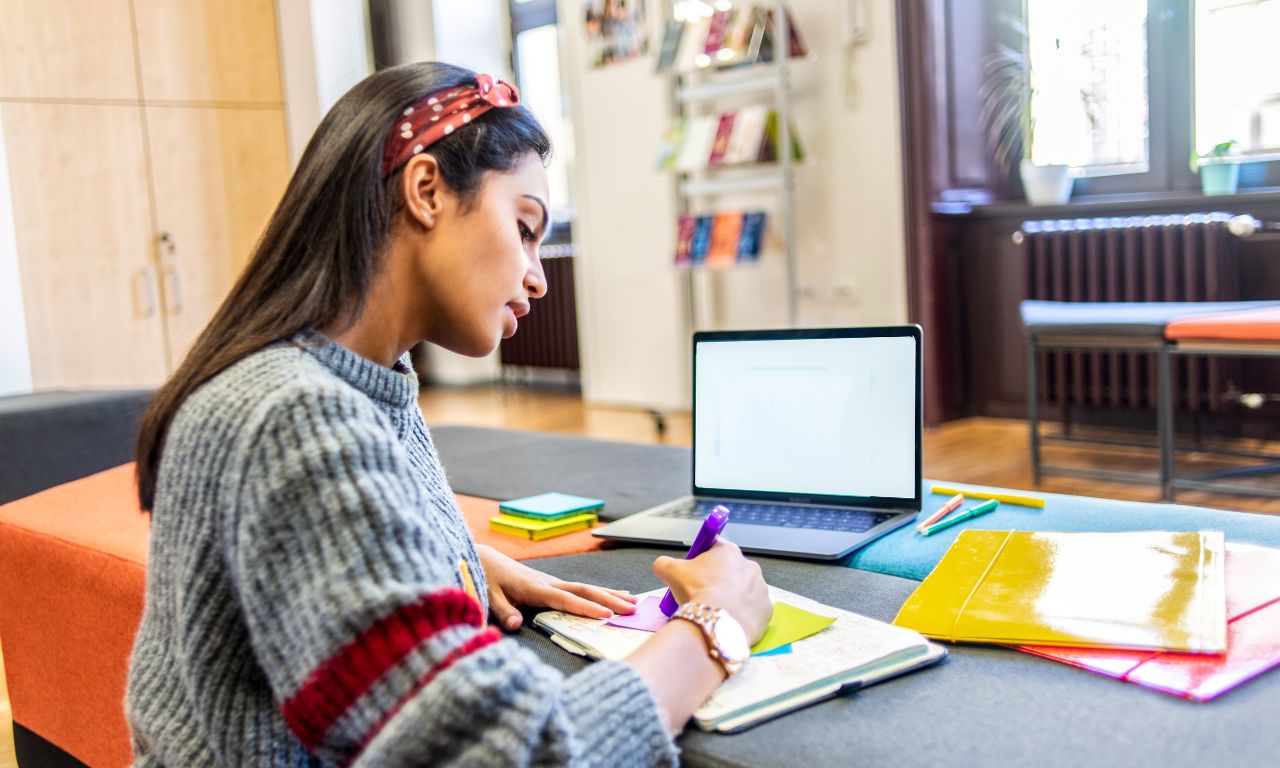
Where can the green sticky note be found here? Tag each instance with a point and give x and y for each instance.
(788, 625)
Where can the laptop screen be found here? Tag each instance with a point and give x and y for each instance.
(806, 414)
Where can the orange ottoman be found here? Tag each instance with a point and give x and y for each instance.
(72, 582)
(72, 578)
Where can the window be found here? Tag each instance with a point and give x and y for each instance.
(1089, 103)
(1237, 81)
(1126, 91)
(536, 56)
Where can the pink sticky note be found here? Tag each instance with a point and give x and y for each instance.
(648, 616)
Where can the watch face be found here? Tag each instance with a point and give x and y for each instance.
(731, 640)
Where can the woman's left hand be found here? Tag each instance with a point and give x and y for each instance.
(512, 584)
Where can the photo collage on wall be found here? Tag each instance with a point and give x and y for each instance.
(616, 31)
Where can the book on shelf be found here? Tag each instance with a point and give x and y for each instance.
(769, 147)
(739, 35)
(715, 33)
(671, 144)
(736, 47)
(684, 239)
(721, 143)
(701, 241)
(693, 40)
(695, 148)
(719, 240)
(726, 230)
(752, 237)
(748, 135)
(671, 33)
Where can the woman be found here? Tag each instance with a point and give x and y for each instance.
(310, 595)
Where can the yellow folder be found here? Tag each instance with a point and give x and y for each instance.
(1147, 589)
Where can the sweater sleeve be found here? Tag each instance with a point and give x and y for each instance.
(374, 653)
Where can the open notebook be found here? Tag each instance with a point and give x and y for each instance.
(853, 652)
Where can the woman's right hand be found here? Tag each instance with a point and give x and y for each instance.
(721, 578)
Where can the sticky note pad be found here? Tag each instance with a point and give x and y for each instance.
(550, 506)
(538, 530)
(781, 650)
(648, 616)
(788, 625)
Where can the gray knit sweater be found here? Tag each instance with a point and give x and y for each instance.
(304, 601)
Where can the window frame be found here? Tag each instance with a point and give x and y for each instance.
(525, 16)
(1170, 105)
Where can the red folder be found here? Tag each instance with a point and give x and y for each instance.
(1253, 638)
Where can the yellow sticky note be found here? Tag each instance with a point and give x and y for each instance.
(788, 625)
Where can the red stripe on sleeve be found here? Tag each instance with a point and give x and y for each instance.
(343, 678)
(481, 640)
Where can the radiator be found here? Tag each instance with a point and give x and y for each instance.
(1189, 257)
(548, 335)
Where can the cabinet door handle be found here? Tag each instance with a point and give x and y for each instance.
(144, 292)
(173, 288)
(172, 278)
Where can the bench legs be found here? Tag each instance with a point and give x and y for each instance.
(1033, 405)
(1164, 417)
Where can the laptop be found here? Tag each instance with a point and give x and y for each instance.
(810, 437)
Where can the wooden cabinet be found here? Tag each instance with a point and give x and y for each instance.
(208, 50)
(146, 148)
(218, 175)
(84, 241)
(67, 49)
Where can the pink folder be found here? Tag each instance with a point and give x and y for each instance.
(1253, 638)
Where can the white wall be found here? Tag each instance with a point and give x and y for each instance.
(631, 301)
(852, 252)
(15, 361)
(324, 50)
(475, 35)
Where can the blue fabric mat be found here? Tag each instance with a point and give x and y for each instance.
(909, 555)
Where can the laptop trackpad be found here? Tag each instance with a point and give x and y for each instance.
(766, 538)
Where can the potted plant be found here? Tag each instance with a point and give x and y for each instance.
(1006, 114)
(1219, 170)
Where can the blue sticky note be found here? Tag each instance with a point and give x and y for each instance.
(775, 651)
(549, 506)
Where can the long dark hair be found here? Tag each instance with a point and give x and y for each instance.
(316, 258)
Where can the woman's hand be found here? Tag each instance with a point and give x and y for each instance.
(512, 584)
(722, 578)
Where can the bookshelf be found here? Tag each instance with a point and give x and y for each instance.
(694, 92)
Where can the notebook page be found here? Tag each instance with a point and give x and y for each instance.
(853, 641)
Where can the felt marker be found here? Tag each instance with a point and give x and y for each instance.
(968, 514)
(942, 512)
(707, 535)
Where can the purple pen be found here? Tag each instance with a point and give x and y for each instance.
(706, 539)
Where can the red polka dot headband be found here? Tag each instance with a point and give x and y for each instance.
(439, 114)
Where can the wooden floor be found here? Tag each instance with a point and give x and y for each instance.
(7, 759)
(978, 450)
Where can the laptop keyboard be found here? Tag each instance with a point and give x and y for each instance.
(785, 516)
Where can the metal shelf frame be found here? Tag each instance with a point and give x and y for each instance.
(690, 90)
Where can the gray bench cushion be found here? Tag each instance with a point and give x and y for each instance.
(1118, 318)
(50, 438)
(509, 464)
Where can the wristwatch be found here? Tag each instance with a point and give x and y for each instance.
(725, 639)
